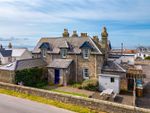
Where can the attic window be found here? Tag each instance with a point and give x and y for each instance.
(63, 53)
(86, 53)
(43, 52)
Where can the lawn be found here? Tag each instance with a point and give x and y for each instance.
(70, 93)
(71, 107)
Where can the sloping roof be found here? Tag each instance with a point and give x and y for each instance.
(24, 64)
(60, 63)
(64, 44)
(6, 53)
(74, 44)
(112, 66)
(17, 52)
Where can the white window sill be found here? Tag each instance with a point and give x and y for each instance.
(86, 78)
(86, 58)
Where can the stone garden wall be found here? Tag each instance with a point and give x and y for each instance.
(82, 101)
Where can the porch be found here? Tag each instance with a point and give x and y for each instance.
(60, 71)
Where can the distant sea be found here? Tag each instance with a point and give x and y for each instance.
(130, 43)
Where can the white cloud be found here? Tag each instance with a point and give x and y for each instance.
(39, 17)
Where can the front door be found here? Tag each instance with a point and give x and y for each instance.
(57, 75)
(130, 84)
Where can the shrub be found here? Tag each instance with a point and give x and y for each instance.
(91, 84)
(77, 85)
(31, 77)
(147, 58)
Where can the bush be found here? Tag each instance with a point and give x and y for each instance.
(91, 84)
(147, 58)
(31, 77)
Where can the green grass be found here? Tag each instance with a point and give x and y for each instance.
(71, 107)
(70, 93)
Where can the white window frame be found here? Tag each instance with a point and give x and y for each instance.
(63, 53)
(86, 53)
(85, 72)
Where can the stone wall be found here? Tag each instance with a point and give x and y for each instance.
(7, 76)
(93, 63)
(98, 105)
(143, 62)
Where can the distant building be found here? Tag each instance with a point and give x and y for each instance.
(20, 53)
(12, 54)
(123, 56)
(5, 56)
(143, 52)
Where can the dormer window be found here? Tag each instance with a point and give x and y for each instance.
(45, 46)
(86, 47)
(63, 53)
(86, 53)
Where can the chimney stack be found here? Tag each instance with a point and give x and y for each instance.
(96, 39)
(74, 34)
(84, 35)
(65, 33)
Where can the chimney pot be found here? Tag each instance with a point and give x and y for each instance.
(84, 35)
(74, 34)
(96, 39)
(65, 33)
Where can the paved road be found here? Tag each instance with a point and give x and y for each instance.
(10, 104)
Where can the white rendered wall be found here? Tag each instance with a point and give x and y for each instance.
(105, 83)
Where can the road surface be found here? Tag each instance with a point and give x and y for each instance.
(10, 104)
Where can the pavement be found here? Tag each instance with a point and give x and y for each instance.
(10, 104)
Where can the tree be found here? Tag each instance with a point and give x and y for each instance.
(1, 46)
(10, 45)
(147, 58)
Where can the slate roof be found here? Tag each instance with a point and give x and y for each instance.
(73, 43)
(6, 53)
(17, 52)
(60, 63)
(24, 64)
(112, 66)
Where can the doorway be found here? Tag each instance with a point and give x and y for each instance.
(57, 76)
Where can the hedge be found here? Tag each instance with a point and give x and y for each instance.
(31, 77)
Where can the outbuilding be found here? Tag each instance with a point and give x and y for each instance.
(112, 77)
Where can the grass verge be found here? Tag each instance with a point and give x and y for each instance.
(70, 93)
(75, 108)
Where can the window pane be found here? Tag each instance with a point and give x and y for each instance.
(85, 53)
(112, 79)
(85, 73)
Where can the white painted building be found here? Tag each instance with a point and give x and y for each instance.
(142, 52)
(10, 55)
(107, 81)
(127, 58)
(111, 75)
(20, 53)
(5, 56)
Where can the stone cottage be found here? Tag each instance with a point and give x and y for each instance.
(72, 58)
(8, 71)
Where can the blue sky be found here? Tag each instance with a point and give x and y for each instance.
(24, 22)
